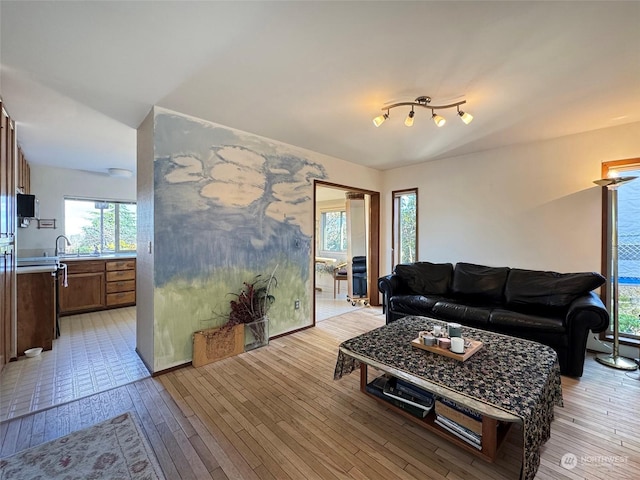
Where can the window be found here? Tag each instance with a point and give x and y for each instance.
(405, 226)
(628, 243)
(334, 231)
(99, 226)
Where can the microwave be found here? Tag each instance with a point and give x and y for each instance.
(27, 206)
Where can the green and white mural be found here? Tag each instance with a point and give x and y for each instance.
(227, 206)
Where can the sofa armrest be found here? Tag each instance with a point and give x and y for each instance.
(589, 311)
(390, 285)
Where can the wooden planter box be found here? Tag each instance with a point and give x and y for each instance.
(215, 344)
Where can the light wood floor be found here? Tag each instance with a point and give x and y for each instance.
(276, 413)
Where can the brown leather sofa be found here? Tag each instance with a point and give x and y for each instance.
(551, 308)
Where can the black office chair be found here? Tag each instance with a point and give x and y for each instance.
(359, 274)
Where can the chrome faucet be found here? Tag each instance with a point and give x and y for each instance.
(57, 239)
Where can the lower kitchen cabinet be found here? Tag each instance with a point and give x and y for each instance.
(36, 311)
(97, 285)
(85, 287)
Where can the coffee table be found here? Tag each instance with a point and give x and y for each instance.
(510, 380)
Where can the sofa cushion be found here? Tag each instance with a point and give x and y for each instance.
(413, 304)
(479, 281)
(529, 321)
(472, 315)
(550, 289)
(426, 278)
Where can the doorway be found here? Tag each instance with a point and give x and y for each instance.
(347, 225)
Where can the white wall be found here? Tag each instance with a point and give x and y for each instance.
(529, 206)
(50, 185)
(145, 262)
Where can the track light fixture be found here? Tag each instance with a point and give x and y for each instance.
(425, 102)
(466, 117)
(409, 120)
(437, 119)
(379, 120)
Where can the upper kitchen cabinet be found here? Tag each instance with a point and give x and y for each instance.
(23, 180)
(7, 177)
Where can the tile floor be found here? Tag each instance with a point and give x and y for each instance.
(327, 306)
(95, 352)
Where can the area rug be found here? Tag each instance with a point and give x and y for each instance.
(113, 449)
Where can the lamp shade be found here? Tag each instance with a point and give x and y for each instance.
(409, 120)
(466, 117)
(379, 120)
(438, 120)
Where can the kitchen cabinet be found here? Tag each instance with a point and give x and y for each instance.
(121, 282)
(97, 285)
(7, 178)
(23, 181)
(8, 227)
(86, 286)
(7, 301)
(36, 309)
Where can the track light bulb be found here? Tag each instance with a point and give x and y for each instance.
(466, 117)
(438, 120)
(409, 120)
(379, 120)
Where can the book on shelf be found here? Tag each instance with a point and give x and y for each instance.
(467, 411)
(376, 388)
(417, 392)
(417, 400)
(460, 429)
(454, 430)
(458, 416)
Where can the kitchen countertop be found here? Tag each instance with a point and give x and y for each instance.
(37, 269)
(51, 264)
(75, 258)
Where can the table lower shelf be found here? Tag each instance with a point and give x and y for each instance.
(493, 431)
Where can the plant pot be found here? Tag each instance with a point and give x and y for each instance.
(217, 343)
(256, 334)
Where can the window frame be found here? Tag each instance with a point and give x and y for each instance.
(395, 233)
(117, 250)
(607, 167)
(343, 229)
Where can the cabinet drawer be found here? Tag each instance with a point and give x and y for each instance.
(85, 266)
(120, 265)
(120, 298)
(123, 286)
(117, 275)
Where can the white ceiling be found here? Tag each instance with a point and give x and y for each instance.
(79, 77)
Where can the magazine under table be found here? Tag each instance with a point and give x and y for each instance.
(493, 431)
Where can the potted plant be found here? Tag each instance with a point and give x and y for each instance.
(247, 325)
(250, 307)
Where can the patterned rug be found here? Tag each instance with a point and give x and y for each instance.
(116, 448)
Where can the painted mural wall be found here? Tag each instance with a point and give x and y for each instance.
(228, 206)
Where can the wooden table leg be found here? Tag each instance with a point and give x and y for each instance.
(363, 377)
(489, 437)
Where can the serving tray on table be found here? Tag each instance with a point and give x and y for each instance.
(468, 351)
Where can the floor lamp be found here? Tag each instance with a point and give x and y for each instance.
(613, 359)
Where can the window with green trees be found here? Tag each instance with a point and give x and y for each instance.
(334, 231)
(96, 226)
(405, 226)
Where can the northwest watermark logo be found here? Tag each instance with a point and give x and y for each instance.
(570, 461)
